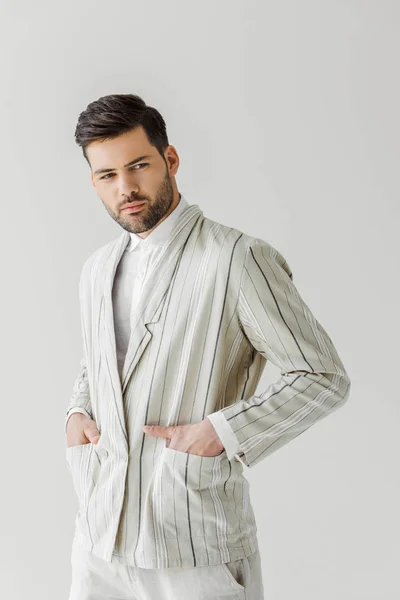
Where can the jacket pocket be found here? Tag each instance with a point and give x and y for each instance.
(84, 465)
(196, 496)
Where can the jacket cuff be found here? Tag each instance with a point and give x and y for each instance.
(225, 433)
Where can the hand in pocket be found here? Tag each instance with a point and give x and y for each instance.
(81, 429)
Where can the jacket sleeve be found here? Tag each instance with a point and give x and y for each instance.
(80, 398)
(281, 327)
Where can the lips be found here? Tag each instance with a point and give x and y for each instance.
(133, 206)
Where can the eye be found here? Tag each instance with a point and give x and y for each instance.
(134, 166)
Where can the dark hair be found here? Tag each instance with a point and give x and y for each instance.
(112, 115)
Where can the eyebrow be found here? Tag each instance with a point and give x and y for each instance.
(127, 165)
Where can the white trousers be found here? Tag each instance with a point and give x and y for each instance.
(95, 579)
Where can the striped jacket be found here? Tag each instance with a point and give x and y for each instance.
(216, 305)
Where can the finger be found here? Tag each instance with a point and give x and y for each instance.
(159, 430)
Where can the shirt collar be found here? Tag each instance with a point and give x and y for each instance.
(161, 232)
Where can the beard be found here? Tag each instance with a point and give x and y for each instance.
(151, 212)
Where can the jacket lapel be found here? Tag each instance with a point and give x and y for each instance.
(103, 331)
(155, 287)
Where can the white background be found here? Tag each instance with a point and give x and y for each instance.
(285, 116)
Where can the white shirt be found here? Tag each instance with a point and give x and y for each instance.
(135, 264)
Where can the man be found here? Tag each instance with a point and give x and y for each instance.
(179, 316)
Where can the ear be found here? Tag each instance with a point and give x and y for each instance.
(172, 159)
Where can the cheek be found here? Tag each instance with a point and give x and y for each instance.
(110, 204)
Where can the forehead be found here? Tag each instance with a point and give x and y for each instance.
(121, 149)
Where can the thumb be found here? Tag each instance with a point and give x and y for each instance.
(92, 433)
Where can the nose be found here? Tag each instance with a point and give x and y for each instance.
(128, 188)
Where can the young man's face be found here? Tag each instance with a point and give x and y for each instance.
(149, 180)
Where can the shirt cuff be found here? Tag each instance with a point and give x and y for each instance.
(225, 433)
